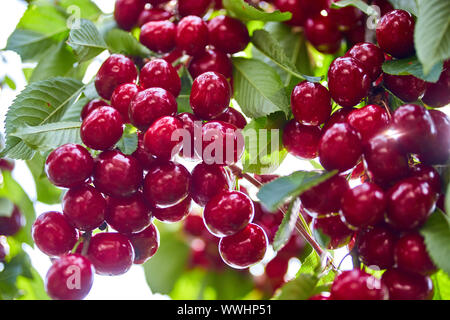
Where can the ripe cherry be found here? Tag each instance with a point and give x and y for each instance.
(346, 18)
(122, 97)
(407, 286)
(437, 150)
(233, 117)
(192, 35)
(159, 73)
(145, 158)
(302, 141)
(323, 33)
(356, 35)
(339, 116)
(277, 267)
(370, 56)
(438, 94)
(153, 14)
(161, 138)
(368, 121)
(159, 36)
(407, 88)
(60, 282)
(174, 213)
(295, 8)
(293, 248)
(357, 285)
(211, 60)
(321, 296)
(193, 7)
(311, 103)
(333, 231)
(91, 106)
(145, 243)
(227, 34)
(193, 225)
(384, 5)
(207, 181)
(411, 255)
(9, 226)
(69, 165)
(193, 126)
(126, 12)
(427, 174)
(376, 247)
(245, 248)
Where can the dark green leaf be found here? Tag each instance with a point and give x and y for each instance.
(123, 42)
(286, 227)
(301, 288)
(86, 41)
(243, 11)
(414, 67)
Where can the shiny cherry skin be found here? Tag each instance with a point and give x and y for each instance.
(269, 221)
(145, 244)
(116, 70)
(339, 116)
(153, 14)
(245, 248)
(368, 121)
(410, 202)
(111, 253)
(207, 181)
(145, 158)
(84, 207)
(53, 234)
(323, 33)
(160, 138)
(210, 95)
(302, 141)
(437, 150)
(128, 215)
(193, 125)
(211, 60)
(91, 106)
(348, 81)
(60, 276)
(192, 35)
(159, 36)
(438, 94)
(358, 285)
(370, 56)
(336, 233)
(376, 247)
(427, 174)
(395, 33)
(151, 104)
(311, 103)
(9, 226)
(321, 296)
(346, 18)
(364, 205)
(122, 97)
(295, 8)
(227, 34)
(411, 255)
(407, 88)
(102, 128)
(233, 117)
(193, 7)
(69, 165)
(126, 13)
(159, 73)
(407, 286)
(356, 35)
(173, 213)
(117, 174)
(166, 184)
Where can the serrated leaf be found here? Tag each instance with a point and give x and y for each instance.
(186, 86)
(73, 113)
(129, 141)
(286, 227)
(432, 32)
(412, 66)
(276, 192)
(243, 11)
(86, 41)
(258, 88)
(408, 5)
(123, 42)
(301, 288)
(6, 207)
(361, 5)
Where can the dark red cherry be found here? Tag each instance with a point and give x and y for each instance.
(153, 14)
(339, 116)
(437, 150)
(356, 35)
(160, 73)
(233, 117)
(192, 35)
(334, 232)
(145, 243)
(145, 158)
(370, 56)
(102, 128)
(407, 286)
(302, 141)
(311, 103)
(9, 226)
(323, 33)
(211, 60)
(193, 7)
(69, 165)
(91, 106)
(321, 296)
(357, 285)
(313, 7)
(174, 213)
(227, 34)
(126, 13)
(116, 70)
(111, 253)
(122, 97)
(346, 18)
(407, 88)
(117, 174)
(376, 247)
(348, 81)
(245, 248)
(293, 248)
(193, 126)
(384, 5)
(395, 33)
(149, 105)
(159, 36)
(411, 254)
(368, 121)
(207, 181)
(69, 278)
(193, 225)
(163, 137)
(427, 174)
(277, 267)
(438, 94)
(294, 7)
(53, 234)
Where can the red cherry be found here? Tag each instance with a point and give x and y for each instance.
(357, 285)
(233, 117)
(277, 267)
(437, 150)
(311, 103)
(356, 35)
(313, 7)
(193, 225)
(145, 243)
(370, 56)
(174, 213)
(145, 158)
(193, 7)
(158, 36)
(384, 5)
(122, 97)
(91, 106)
(346, 18)
(227, 34)
(161, 138)
(159, 73)
(411, 255)
(438, 94)
(323, 33)
(368, 121)
(376, 247)
(193, 126)
(293, 248)
(211, 60)
(153, 14)
(407, 88)
(302, 141)
(338, 116)
(192, 35)
(407, 286)
(321, 296)
(427, 174)
(336, 232)
(294, 7)
(9, 226)
(4, 252)
(126, 12)
(207, 181)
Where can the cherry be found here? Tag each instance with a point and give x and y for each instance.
(364, 205)
(323, 33)
(153, 14)
(407, 88)
(211, 60)
(395, 33)
(122, 97)
(407, 286)
(313, 7)
(193, 126)
(160, 73)
(302, 141)
(193, 225)
(293, 248)
(69, 165)
(265, 178)
(210, 95)
(410, 202)
(340, 147)
(3, 252)
(9, 226)
(357, 285)
(277, 267)
(111, 253)
(438, 148)
(325, 198)
(69, 278)
(128, 215)
(227, 34)
(116, 70)
(339, 116)
(207, 181)
(126, 12)
(384, 5)
(427, 174)
(321, 296)
(53, 234)
(145, 158)
(411, 255)
(174, 213)
(370, 56)
(159, 36)
(161, 138)
(294, 7)
(166, 184)
(193, 7)
(368, 121)
(346, 18)
(438, 94)
(348, 81)
(192, 35)
(145, 243)
(233, 117)
(336, 233)
(151, 104)
(245, 248)
(269, 221)
(117, 174)
(376, 247)
(102, 128)
(356, 35)
(222, 144)
(311, 103)
(91, 106)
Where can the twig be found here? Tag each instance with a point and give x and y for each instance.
(86, 241)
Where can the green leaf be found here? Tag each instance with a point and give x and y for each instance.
(286, 227)
(73, 113)
(186, 86)
(301, 288)
(412, 66)
(258, 88)
(123, 42)
(276, 192)
(6, 207)
(432, 32)
(407, 5)
(243, 11)
(10, 82)
(447, 199)
(441, 284)
(86, 41)
(32, 289)
(361, 5)
(88, 9)
(129, 141)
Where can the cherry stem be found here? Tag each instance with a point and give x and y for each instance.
(86, 241)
